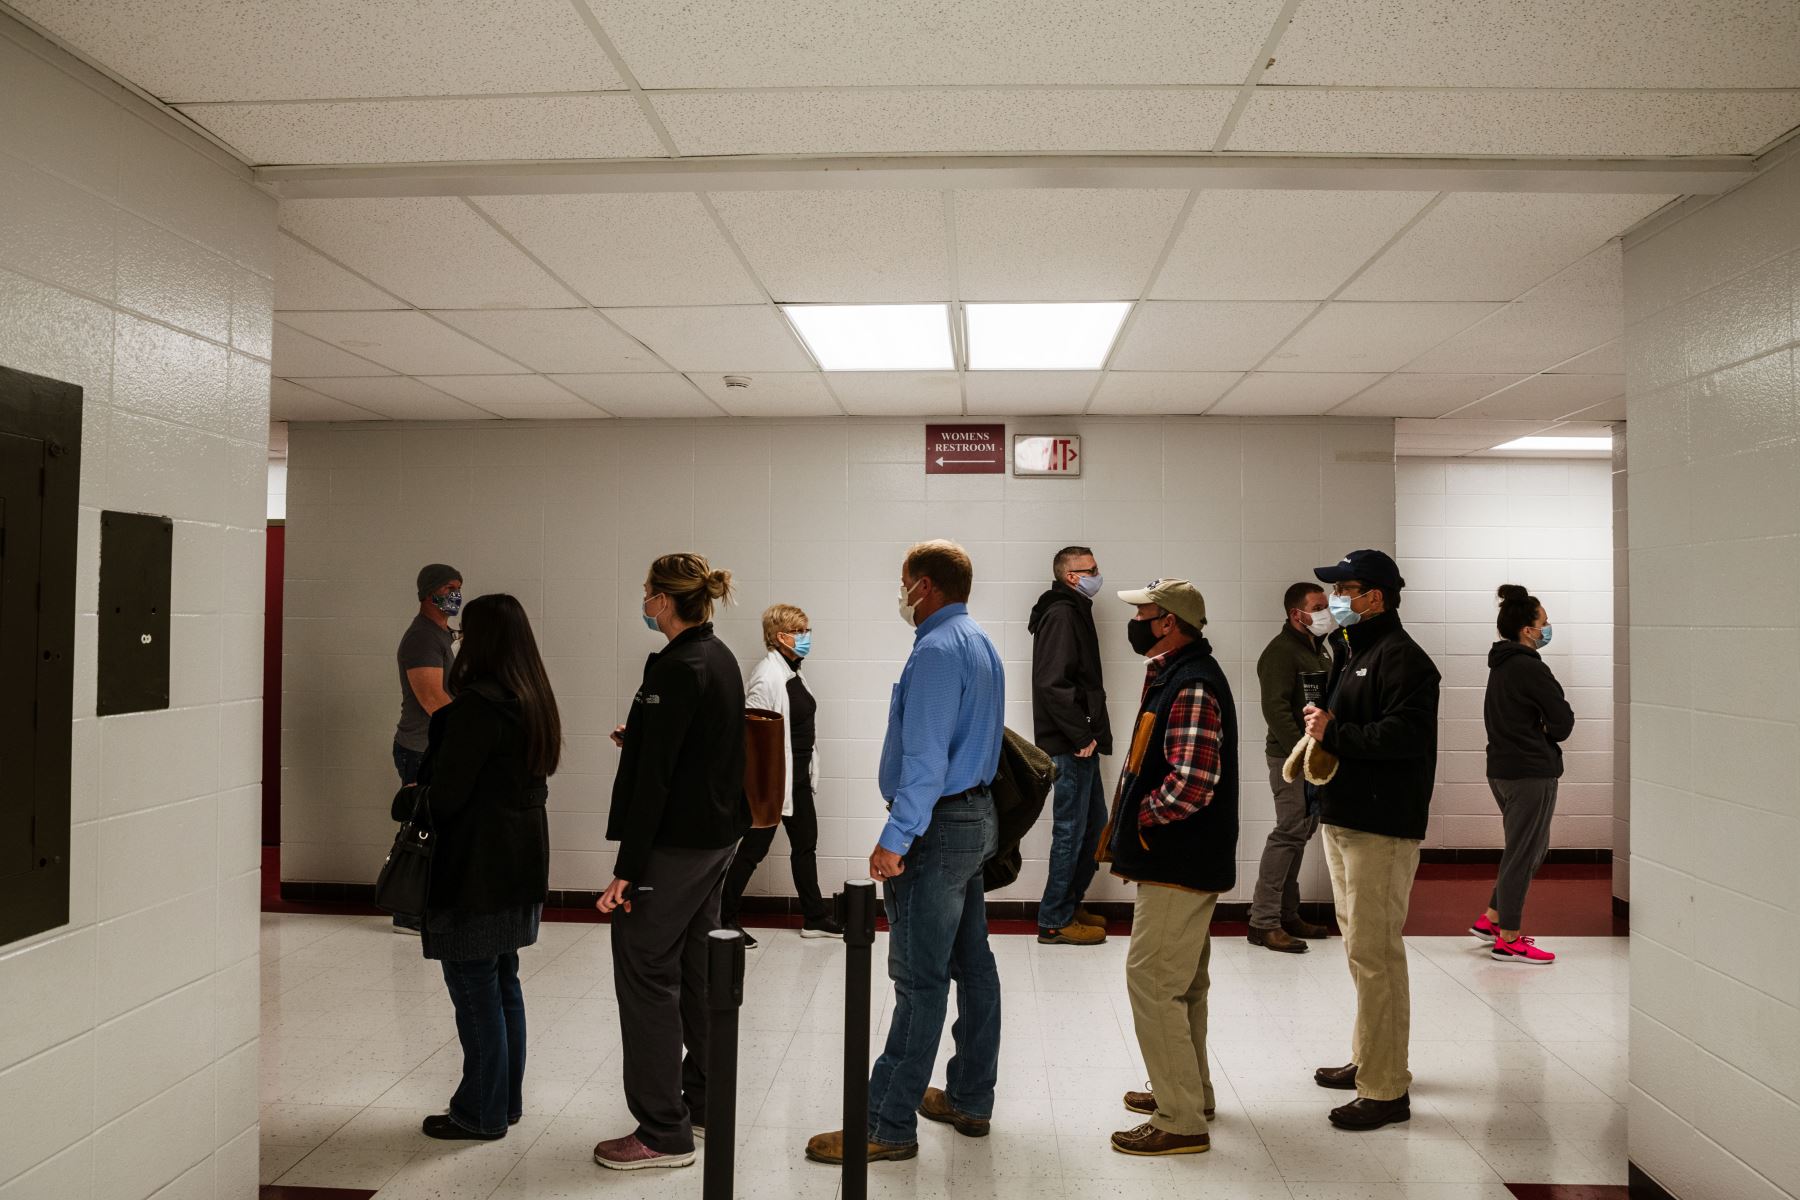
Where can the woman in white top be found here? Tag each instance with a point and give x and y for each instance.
(776, 684)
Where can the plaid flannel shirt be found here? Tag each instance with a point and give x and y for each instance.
(1191, 744)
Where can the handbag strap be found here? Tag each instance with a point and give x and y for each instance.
(422, 802)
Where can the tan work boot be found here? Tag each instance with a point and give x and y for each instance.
(936, 1107)
(1072, 935)
(1145, 1102)
(829, 1148)
(1147, 1141)
(1084, 917)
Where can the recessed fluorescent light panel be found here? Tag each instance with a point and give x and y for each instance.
(1043, 337)
(1591, 444)
(875, 337)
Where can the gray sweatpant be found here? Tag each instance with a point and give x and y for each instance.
(1277, 895)
(1526, 806)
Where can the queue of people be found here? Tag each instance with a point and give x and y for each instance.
(1344, 690)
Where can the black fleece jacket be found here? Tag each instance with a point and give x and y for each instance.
(1526, 714)
(1384, 708)
(1068, 695)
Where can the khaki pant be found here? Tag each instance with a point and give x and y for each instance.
(1166, 975)
(1371, 882)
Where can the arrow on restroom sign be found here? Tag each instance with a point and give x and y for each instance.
(965, 449)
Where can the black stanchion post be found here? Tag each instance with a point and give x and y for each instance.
(724, 996)
(859, 940)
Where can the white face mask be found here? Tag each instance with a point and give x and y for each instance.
(908, 610)
(1322, 623)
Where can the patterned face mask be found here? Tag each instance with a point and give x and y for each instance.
(450, 603)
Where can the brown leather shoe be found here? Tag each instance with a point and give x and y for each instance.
(1072, 935)
(1147, 1141)
(1305, 929)
(1145, 1102)
(1363, 1113)
(936, 1107)
(1084, 917)
(829, 1148)
(1342, 1078)
(1276, 939)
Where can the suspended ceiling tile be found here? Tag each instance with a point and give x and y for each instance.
(499, 391)
(1029, 393)
(1252, 244)
(433, 251)
(1291, 394)
(297, 354)
(741, 339)
(315, 49)
(566, 409)
(413, 131)
(1192, 335)
(846, 247)
(664, 394)
(1372, 337)
(398, 398)
(1061, 243)
(290, 401)
(1545, 43)
(1576, 311)
(1582, 123)
(628, 249)
(772, 394)
(1137, 393)
(1606, 411)
(973, 121)
(897, 393)
(564, 340)
(1422, 395)
(1548, 397)
(409, 342)
(306, 279)
(797, 43)
(1602, 360)
(1495, 245)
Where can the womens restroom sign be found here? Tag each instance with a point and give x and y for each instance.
(965, 449)
(1047, 455)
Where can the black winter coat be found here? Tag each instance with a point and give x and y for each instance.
(487, 809)
(1384, 708)
(1526, 715)
(681, 773)
(1068, 695)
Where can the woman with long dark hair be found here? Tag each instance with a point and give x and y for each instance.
(483, 787)
(1527, 719)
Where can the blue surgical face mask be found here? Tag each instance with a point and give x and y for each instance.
(1543, 637)
(1341, 612)
(450, 603)
(1090, 585)
(650, 621)
(803, 644)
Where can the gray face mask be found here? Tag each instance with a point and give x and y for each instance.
(1090, 585)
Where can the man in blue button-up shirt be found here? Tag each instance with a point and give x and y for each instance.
(937, 762)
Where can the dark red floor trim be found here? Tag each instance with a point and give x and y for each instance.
(289, 1191)
(1569, 1191)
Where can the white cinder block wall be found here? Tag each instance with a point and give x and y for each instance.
(137, 266)
(1621, 843)
(816, 513)
(1466, 526)
(1714, 436)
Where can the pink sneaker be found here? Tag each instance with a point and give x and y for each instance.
(1522, 950)
(1484, 929)
(629, 1154)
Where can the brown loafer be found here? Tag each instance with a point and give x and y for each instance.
(1145, 1103)
(1363, 1113)
(1305, 929)
(936, 1107)
(1276, 939)
(829, 1148)
(1342, 1078)
(1147, 1141)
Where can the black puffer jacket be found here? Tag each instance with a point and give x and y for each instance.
(1068, 695)
(1384, 708)
(1526, 714)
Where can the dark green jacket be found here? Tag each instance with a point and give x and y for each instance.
(1278, 672)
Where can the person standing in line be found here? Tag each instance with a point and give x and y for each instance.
(1174, 834)
(938, 764)
(1070, 724)
(1528, 718)
(483, 787)
(1298, 650)
(678, 811)
(1381, 724)
(776, 685)
(427, 649)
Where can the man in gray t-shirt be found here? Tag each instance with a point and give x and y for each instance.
(426, 650)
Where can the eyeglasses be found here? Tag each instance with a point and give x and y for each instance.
(1347, 588)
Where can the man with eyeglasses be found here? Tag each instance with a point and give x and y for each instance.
(1069, 723)
(1381, 723)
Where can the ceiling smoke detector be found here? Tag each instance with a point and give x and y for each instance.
(737, 381)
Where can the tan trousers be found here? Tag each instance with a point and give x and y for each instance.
(1371, 882)
(1166, 976)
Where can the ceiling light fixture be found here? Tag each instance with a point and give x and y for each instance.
(1559, 443)
(1043, 337)
(875, 337)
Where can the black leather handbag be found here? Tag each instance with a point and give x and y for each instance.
(405, 880)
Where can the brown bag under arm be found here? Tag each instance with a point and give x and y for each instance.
(765, 766)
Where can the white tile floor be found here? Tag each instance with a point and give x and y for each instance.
(1520, 1075)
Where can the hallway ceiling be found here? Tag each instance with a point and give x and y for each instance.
(1471, 308)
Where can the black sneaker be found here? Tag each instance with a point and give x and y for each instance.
(749, 942)
(821, 927)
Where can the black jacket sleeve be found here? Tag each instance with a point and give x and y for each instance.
(1545, 692)
(463, 736)
(662, 733)
(1407, 726)
(1055, 654)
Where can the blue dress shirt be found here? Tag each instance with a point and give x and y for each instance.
(944, 722)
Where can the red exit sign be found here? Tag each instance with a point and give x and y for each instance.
(965, 449)
(1051, 455)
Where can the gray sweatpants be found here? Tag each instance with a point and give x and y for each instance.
(659, 975)
(1526, 806)
(1277, 895)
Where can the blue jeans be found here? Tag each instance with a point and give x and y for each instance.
(490, 1024)
(1078, 815)
(937, 935)
(406, 763)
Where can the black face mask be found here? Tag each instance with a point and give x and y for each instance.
(1141, 636)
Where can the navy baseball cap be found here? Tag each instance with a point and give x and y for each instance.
(1371, 568)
